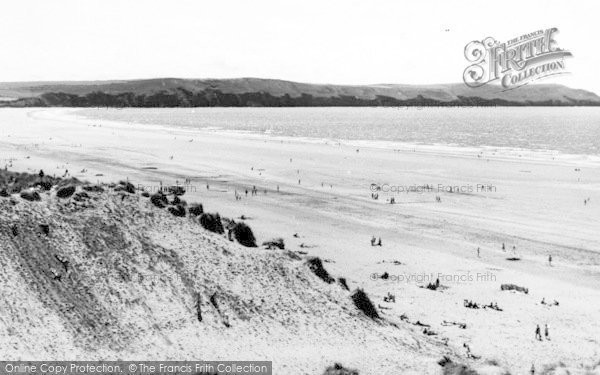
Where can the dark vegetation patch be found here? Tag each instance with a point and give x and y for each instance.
(363, 303)
(243, 234)
(342, 281)
(212, 222)
(81, 196)
(15, 182)
(65, 192)
(31, 196)
(93, 188)
(196, 209)
(159, 200)
(178, 210)
(514, 287)
(176, 190)
(275, 243)
(125, 186)
(338, 369)
(316, 266)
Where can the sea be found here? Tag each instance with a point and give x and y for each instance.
(549, 132)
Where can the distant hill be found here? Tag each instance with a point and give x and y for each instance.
(241, 92)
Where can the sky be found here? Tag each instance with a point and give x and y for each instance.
(324, 41)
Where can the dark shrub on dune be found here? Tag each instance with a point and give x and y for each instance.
(212, 222)
(363, 303)
(178, 210)
(93, 188)
(178, 201)
(45, 185)
(159, 200)
(316, 265)
(338, 369)
(126, 186)
(31, 196)
(81, 196)
(176, 190)
(4, 193)
(67, 181)
(243, 234)
(514, 287)
(15, 182)
(196, 209)
(65, 192)
(343, 283)
(145, 194)
(275, 243)
(452, 368)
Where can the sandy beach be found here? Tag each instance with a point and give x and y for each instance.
(318, 196)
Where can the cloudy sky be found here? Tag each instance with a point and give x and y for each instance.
(323, 41)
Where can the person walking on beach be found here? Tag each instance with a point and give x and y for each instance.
(550, 260)
(503, 247)
(478, 256)
(546, 333)
(538, 334)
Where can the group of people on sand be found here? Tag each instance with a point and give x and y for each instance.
(538, 332)
(253, 192)
(586, 201)
(553, 303)
(375, 242)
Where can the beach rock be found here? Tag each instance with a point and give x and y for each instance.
(65, 192)
(196, 209)
(31, 196)
(159, 200)
(316, 266)
(243, 234)
(4, 193)
(212, 222)
(363, 303)
(15, 230)
(178, 210)
(275, 243)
